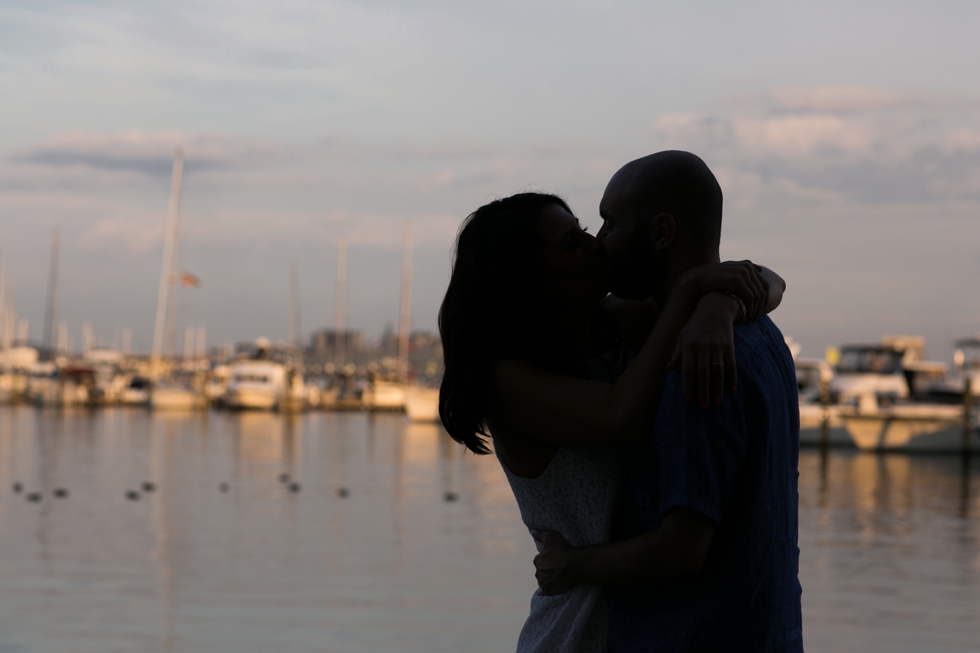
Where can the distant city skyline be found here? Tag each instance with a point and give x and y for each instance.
(846, 139)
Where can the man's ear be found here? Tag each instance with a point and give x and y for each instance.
(661, 231)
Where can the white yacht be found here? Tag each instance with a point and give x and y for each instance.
(966, 366)
(256, 384)
(422, 403)
(939, 423)
(384, 395)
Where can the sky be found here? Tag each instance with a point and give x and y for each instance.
(846, 137)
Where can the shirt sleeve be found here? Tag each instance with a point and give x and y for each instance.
(699, 451)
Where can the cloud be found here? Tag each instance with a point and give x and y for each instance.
(135, 236)
(841, 99)
(863, 145)
(149, 153)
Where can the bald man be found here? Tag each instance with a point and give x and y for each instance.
(709, 561)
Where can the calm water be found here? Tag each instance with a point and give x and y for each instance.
(891, 544)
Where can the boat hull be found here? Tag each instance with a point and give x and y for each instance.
(812, 418)
(422, 404)
(385, 396)
(175, 399)
(937, 429)
(252, 399)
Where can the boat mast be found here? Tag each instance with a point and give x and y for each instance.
(3, 312)
(51, 311)
(340, 335)
(294, 335)
(403, 317)
(167, 273)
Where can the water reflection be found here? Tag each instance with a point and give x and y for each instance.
(890, 543)
(889, 552)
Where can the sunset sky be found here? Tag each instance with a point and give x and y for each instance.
(846, 137)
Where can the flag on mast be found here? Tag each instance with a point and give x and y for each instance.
(188, 280)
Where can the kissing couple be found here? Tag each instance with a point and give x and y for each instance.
(644, 409)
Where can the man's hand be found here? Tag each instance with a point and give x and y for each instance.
(552, 566)
(706, 350)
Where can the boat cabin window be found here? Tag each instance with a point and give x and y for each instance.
(869, 361)
(251, 378)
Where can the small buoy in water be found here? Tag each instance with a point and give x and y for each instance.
(18, 487)
(223, 487)
(450, 496)
(295, 487)
(34, 496)
(342, 492)
(133, 495)
(284, 478)
(61, 493)
(149, 487)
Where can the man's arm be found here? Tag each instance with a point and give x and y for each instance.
(678, 548)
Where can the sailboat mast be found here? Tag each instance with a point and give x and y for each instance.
(3, 311)
(294, 327)
(403, 313)
(51, 311)
(340, 335)
(166, 271)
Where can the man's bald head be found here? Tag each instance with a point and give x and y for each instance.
(674, 182)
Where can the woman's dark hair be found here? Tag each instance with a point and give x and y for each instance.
(496, 307)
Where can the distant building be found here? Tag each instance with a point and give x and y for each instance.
(324, 341)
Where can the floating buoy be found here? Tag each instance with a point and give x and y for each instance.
(223, 487)
(284, 478)
(342, 492)
(18, 487)
(61, 493)
(149, 487)
(133, 495)
(34, 496)
(295, 487)
(450, 497)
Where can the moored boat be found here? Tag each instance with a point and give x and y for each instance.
(256, 385)
(175, 397)
(422, 403)
(384, 395)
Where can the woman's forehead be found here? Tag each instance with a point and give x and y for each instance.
(555, 222)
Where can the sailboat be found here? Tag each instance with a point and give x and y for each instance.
(170, 393)
(421, 403)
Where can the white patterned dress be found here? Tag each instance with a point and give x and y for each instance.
(577, 495)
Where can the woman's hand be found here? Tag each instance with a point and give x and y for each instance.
(706, 350)
(741, 278)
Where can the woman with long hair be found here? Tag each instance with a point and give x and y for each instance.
(536, 361)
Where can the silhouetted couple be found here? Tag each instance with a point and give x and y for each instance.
(663, 503)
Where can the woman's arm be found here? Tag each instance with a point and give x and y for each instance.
(568, 411)
(708, 339)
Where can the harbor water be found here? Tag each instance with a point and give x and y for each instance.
(239, 532)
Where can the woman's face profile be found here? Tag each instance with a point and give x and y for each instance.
(574, 263)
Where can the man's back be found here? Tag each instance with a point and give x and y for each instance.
(736, 464)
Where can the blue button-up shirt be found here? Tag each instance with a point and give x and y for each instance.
(736, 464)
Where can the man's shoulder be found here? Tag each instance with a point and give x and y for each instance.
(761, 339)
